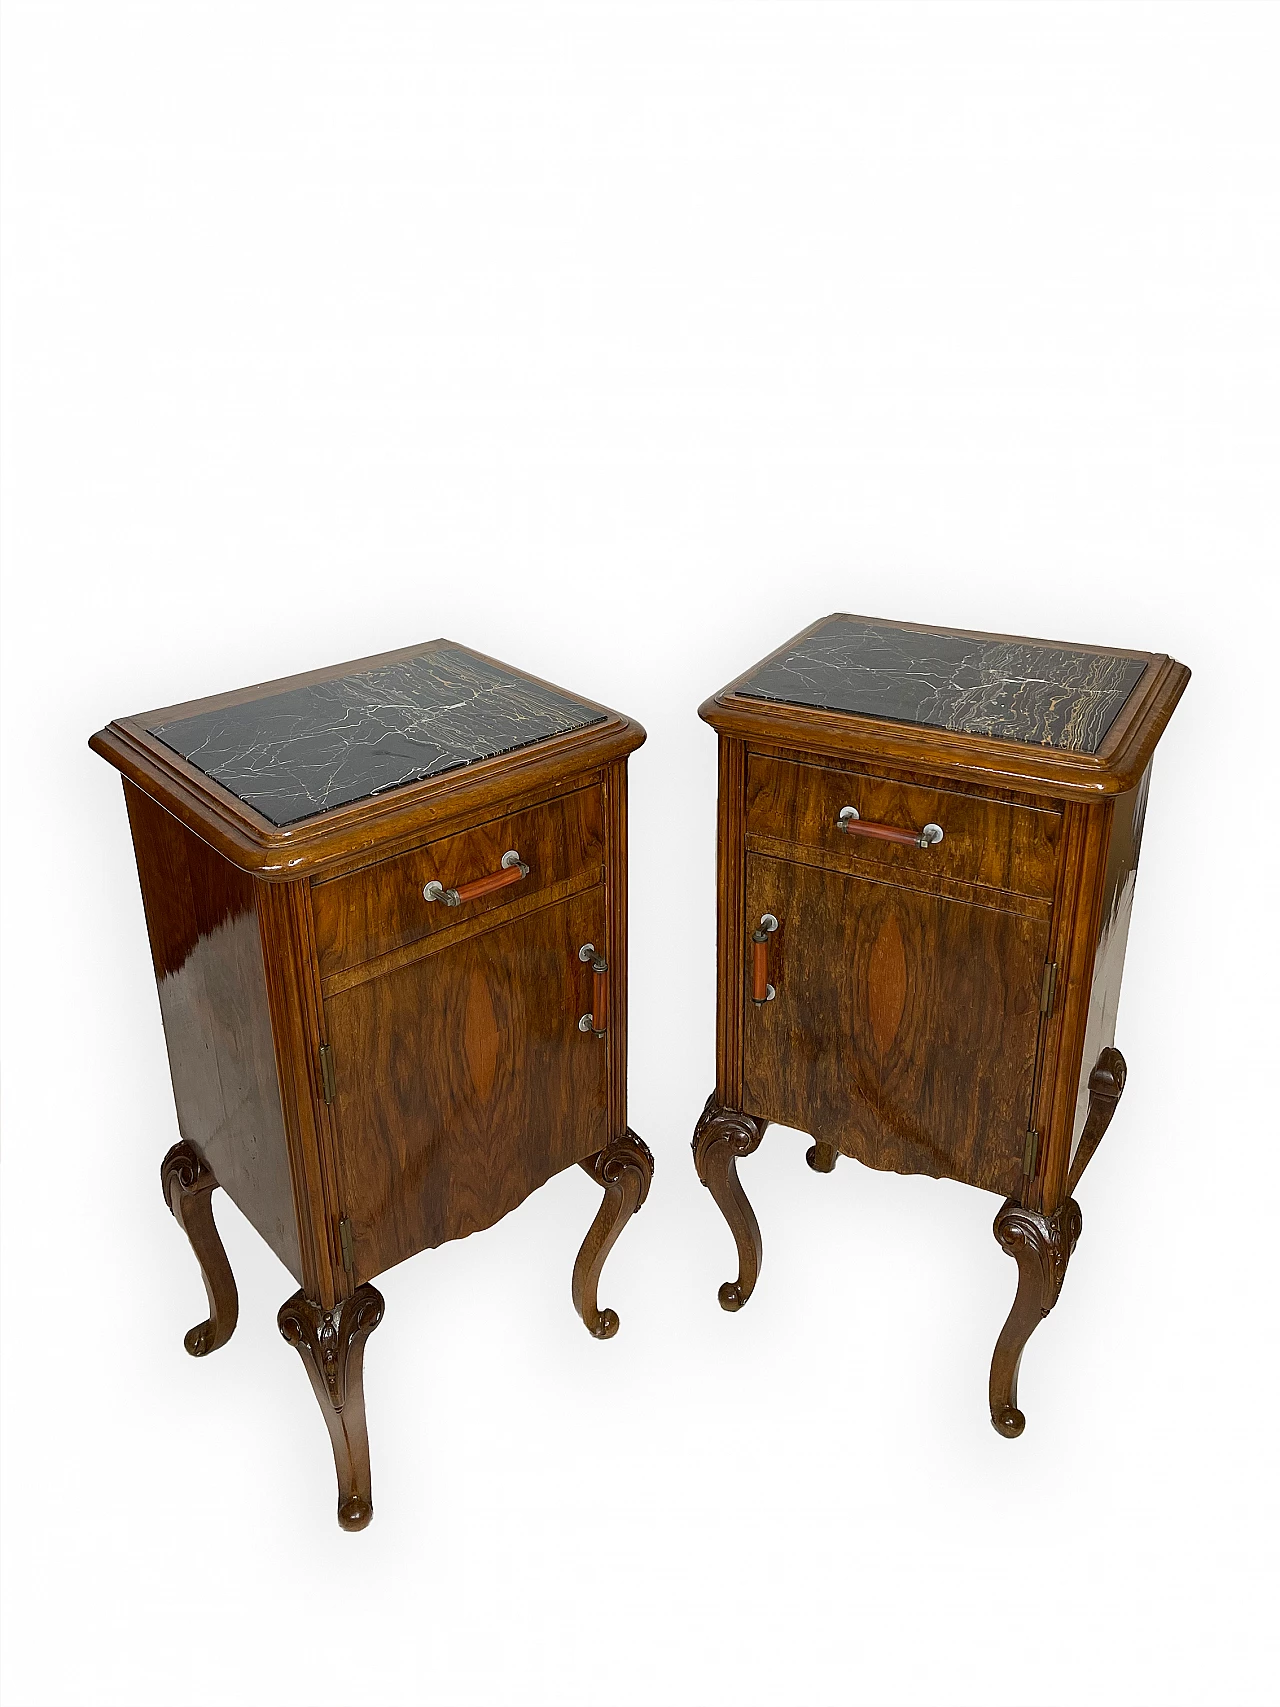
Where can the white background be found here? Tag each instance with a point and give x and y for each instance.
(621, 343)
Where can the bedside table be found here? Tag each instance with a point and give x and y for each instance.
(927, 847)
(387, 905)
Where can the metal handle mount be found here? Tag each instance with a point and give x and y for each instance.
(598, 1019)
(853, 825)
(762, 990)
(513, 869)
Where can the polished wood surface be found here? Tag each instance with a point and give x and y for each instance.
(211, 977)
(945, 1009)
(331, 1345)
(368, 1073)
(380, 907)
(994, 842)
(463, 1082)
(624, 1168)
(904, 1027)
(188, 1187)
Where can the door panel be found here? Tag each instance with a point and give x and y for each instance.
(904, 1027)
(463, 1082)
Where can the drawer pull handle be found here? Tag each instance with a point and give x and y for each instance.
(853, 825)
(762, 990)
(513, 869)
(596, 1021)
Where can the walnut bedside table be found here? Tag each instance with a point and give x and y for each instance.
(928, 842)
(387, 905)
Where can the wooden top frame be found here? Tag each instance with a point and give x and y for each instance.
(282, 853)
(1122, 756)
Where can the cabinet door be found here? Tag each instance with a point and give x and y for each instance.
(905, 1025)
(463, 1082)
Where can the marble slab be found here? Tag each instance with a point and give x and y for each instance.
(296, 754)
(1012, 689)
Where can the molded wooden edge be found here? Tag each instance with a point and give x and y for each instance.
(1124, 756)
(250, 842)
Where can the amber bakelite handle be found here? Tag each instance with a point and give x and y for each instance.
(761, 989)
(598, 1019)
(513, 869)
(852, 825)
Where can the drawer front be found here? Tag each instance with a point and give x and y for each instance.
(989, 842)
(381, 907)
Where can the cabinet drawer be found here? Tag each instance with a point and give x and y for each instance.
(381, 907)
(990, 842)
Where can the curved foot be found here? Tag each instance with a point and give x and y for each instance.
(331, 1345)
(624, 1168)
(721, 1136)
(821, 1157)
(1041, 1245)
(188, 1185)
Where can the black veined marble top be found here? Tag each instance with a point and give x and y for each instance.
(295, 754)
(1012, 689)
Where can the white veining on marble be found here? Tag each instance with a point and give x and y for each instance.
(1013, 690)
(307, 750)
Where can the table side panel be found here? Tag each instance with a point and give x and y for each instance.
(207, 951)
(1118, 885)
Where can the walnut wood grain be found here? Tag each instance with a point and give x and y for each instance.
(904, 1027)
(188, 1186)
(624, 1168)
(990, 842)
(211, 979)
(331, 1344)
(1041, 1245)
(721, 1137)
(463, 1083)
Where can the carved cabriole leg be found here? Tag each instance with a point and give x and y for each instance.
(821, 1157)
(624, 1168)
(331, 1345)
(720, 1137)
(188, 1187)
(1106, 1087)
(1041, 1245)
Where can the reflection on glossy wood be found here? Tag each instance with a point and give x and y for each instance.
(207, 952)
(904, 1028)
(188, 1186)
(331, 1344)
(624, 1168)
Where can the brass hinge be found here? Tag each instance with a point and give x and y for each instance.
(1047, 986)
(344, 1239)
(1029, 1154)
(326, 1073)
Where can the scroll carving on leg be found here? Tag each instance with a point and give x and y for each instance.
(721, 1136)
(188, 1185)
(1106, 1087)
(1041, 1245)
(624, 1168)
(331, 1345)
